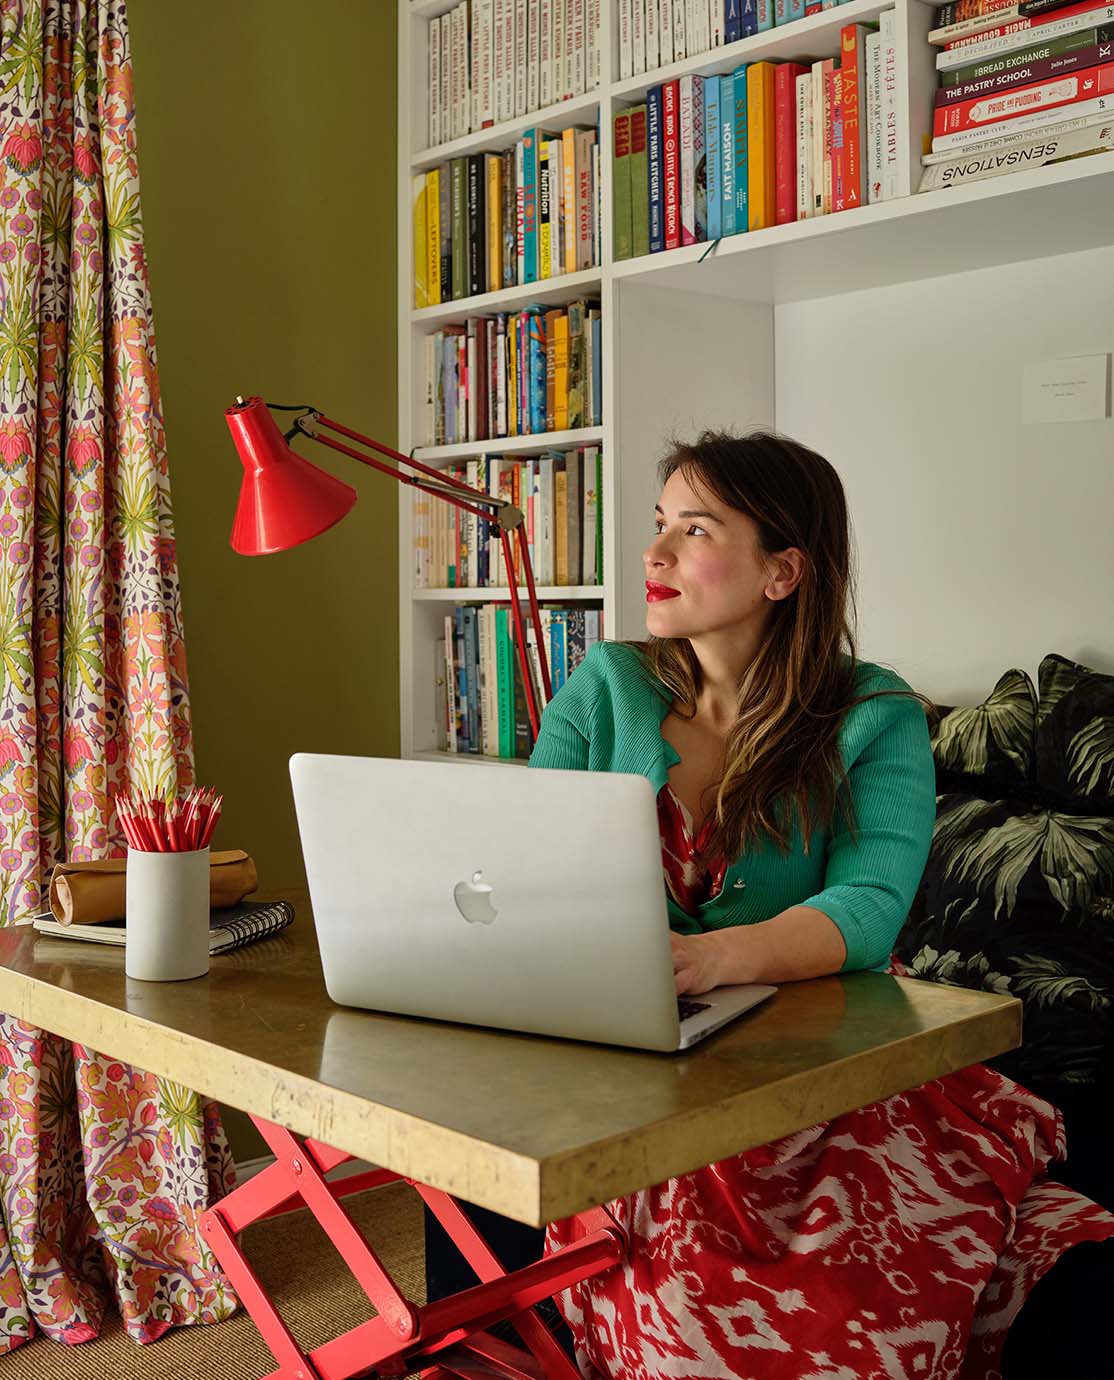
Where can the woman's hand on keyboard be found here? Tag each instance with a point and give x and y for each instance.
(696, 963)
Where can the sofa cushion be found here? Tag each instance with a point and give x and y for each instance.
(1075, 732)
(994, 739)
(1007, 903)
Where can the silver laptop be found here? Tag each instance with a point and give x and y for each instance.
(527, 900)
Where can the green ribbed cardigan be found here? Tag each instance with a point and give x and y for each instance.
(607, 717)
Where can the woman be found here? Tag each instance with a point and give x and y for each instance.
(796, 801)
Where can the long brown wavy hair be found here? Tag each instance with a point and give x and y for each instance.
(782, 750)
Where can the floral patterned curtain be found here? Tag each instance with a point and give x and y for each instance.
(104, 1170)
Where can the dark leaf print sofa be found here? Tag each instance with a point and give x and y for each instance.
(1018, 892)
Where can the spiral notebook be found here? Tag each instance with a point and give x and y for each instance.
(229, 928)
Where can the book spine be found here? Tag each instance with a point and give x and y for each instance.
(622, 238)
(742, 144)
(568, 193)
(665, 32)
(530, 204)
(1024, 153)
(545, 53)
(1033, 52)
(655, 173)
(803, 93)
(671, 165)
(653, 36)
(1021, 32)
(545, 211)
(520, 58)
(890, 153)
(585, 199)
(458, 178)
(851, 65)
(760, 137)
(640, 228)
(578, 66)
(680, 31)
(594, 50)
(434, 82)
(638, 37)
(944, 34)
(688, 171)
(785, 141)
(713, 158)
(433, 237)
(1037, 97)
(1020, 124)
(966, 9)
(477, 225)
(873, 108)
(1027, 74)
(626, 41)
(733, 20)
(765, 17)
(533, 57)
(487, 90)
(727, 153)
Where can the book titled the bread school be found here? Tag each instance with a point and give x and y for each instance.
(229, 928)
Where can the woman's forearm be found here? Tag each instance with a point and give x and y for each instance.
(801, 942)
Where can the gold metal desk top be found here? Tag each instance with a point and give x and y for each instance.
(531, 1127)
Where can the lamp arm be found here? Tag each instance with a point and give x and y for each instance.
(506, 518)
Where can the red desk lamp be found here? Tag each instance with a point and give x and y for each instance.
(285, 500)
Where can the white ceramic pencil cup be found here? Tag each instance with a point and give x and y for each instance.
(167, 915)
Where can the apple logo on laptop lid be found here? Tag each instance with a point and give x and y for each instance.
(473, 900)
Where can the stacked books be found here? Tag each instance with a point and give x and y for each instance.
(558, 493)
(655, 32)
(1021, 85)
(514, 374)
(497, 60)
(481, 699)
(765, 145)
(488, 221)
(229, 928)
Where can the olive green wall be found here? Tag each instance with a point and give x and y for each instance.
(267, 157)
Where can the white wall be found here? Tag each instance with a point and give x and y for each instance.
(983, 544)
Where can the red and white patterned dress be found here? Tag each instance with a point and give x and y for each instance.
(896, 1242)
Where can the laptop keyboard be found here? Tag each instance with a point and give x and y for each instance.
(686, 1007)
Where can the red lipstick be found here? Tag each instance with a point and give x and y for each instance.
(655, 592)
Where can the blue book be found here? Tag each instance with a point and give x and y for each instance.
(733, 19)
(727, 153)
(796, 10)
(765, 10)
(749, 18)
(461, 680)
(535, 330)
(713, 145)
(557, 649)
(471, 735)
(742, 219)
(596, 324)
(530, 200)
(449, 379)
(656, 188)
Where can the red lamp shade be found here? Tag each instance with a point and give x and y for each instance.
(284, 499)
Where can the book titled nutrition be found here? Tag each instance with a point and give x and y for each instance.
(229, 928)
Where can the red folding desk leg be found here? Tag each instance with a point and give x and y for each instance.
(449, 1333)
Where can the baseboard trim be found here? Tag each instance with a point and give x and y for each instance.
(247, 1169)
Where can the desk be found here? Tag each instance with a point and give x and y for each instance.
(534, 1128)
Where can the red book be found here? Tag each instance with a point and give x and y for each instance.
(785, 141)
(1023, 24)
(1058, 91)
(852, 63)
(671, 160)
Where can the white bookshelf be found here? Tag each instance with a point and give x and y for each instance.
(692, 339)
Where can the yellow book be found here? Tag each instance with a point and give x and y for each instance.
(433, 236)
(545, 213)
(761, 188)
(560, 523)
(512, 376)
(568, 160)
(494, 222)
(561, 373)
(421, 248)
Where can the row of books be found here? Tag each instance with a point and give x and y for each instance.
(514, 374)
(1021, 83)
(497, 60)
(481, 698)
(767, 144)
(559, 494)
(487, 221)
(653, 33)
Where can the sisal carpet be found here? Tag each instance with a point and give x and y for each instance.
(297, 1265)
